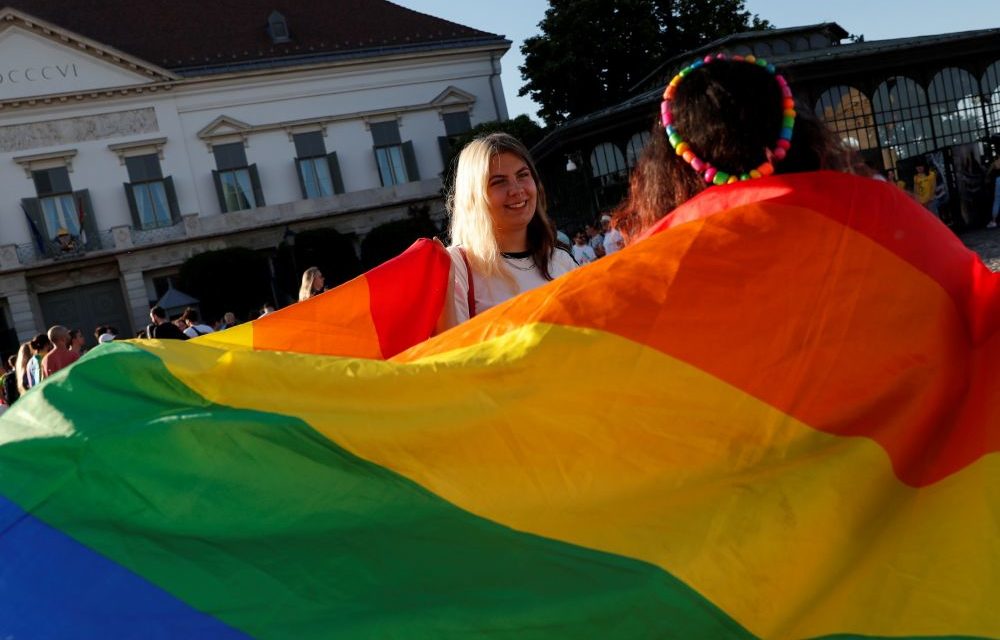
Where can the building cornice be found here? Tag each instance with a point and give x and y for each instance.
(226, 128)
(177, 83)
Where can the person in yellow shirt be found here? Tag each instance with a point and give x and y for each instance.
(924, 184)
(891, 177)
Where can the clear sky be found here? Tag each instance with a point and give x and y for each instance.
(875, 19)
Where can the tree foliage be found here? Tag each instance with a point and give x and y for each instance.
(325, 248)
(235, 279)
(592, 52)
(388, 240)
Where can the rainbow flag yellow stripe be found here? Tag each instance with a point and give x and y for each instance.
(767, 419)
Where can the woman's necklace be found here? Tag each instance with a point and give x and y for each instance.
(513, 256)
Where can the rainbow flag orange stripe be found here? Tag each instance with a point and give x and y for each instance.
(376, 315)
(769, 418)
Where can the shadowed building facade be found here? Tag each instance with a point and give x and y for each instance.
(931, 99)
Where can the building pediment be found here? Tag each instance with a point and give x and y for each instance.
(224, 126)
(39, 59)
(453, 96)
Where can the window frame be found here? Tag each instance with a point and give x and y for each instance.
(139, 180)
(231, 165)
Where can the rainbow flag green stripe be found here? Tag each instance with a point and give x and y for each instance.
(266, 524)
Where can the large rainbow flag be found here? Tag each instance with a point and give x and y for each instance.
(778, 415)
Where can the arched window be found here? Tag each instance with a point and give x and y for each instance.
(780, 46)
(849, 112)
(607, 163)
(956, 106)
(761, 49)
(635, 146)
(277, 28)
(991, 92)
(903, 118)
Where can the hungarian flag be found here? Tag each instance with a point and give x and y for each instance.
(776, 416)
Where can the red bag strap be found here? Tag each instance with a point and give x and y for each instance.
(472, 284)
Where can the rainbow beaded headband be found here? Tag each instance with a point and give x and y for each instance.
(712, 174)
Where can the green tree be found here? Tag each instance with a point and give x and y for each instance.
(388, 240)
(592, 52)
(235, 279)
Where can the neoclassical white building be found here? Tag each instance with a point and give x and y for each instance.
(123, 152)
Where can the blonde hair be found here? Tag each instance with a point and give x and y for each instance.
(58, 334)
(468, 205)
(21, 364)
(308, 277)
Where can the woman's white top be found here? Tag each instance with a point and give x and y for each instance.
(491, 291)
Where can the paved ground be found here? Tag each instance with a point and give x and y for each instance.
(985, 242)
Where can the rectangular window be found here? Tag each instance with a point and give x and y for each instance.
(237, 189)
(59, 208)
(61, 221)
(151, 197)
(391, 168)
(395, 159)
(236, 183)
(319, 172)
(60, 215)
(316, 180)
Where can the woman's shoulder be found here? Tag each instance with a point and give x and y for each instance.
(561, 262)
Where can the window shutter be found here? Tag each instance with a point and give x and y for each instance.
(218, 191)
(258, 192)
(132, 206)
(36, 225)
(410, 159)
(302, 180)
(445, 145)
(175, 210)
(82, 198)
(335, 177)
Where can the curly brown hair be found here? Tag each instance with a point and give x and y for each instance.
(730, 113)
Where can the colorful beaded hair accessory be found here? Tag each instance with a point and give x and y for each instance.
(712, 174)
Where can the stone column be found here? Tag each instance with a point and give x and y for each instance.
(136, 297)
(14, 287)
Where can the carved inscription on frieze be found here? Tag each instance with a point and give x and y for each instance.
(102, 126)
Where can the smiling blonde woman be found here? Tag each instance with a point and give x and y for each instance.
(502, 242)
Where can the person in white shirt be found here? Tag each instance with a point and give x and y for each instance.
(583, 253)
(595, 239)
(613, 240)
(194, 327)
(502, 241)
